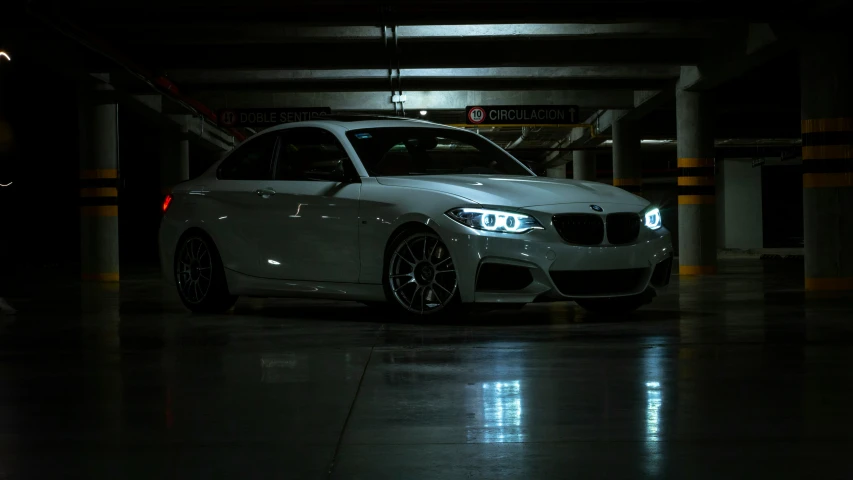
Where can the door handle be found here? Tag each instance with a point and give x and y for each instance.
(265, 192)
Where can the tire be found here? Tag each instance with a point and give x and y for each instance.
(196, 254)
(419, 276)
(614, 305)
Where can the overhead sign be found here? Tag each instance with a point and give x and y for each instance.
(268, 117)
(519, 114)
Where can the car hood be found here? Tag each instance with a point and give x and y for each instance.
(496, 190)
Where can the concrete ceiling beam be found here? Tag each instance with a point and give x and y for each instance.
(644, 102)
(246, 76)
(274, 32)
(745, 48)
(426, 100)
(368, 12)
(755, 44)
(510, 52)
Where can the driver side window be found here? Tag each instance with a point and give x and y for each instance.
(311, 154)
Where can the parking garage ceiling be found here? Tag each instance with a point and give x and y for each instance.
(352, 55)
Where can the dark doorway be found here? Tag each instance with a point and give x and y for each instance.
(782, 200)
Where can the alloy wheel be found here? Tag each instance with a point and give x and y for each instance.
(194, 270)
(422, 275)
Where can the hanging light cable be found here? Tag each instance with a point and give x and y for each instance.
(6, 56)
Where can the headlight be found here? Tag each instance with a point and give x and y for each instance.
(494, 220)
(652, 219)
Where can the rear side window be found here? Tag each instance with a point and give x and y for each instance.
(251, 161)
(310, 153)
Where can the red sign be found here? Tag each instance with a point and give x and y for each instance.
(476, 115)
(227, 118)
(523, 114)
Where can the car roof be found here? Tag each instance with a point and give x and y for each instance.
(357, 122)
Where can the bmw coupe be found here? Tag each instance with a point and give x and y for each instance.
(424, 218)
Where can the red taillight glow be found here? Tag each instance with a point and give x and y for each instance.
(166, 202)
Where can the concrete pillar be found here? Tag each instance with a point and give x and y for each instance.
(557, 172)
(826, 82)
(583, 165)
(174, 159)
(627, 170)
(697, 212)
(99, 182)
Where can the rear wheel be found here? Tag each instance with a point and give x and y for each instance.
(200, 276)
(614, 305)
(420, 275)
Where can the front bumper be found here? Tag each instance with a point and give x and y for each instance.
(541, 266)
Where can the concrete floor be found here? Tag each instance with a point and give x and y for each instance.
(733, 376)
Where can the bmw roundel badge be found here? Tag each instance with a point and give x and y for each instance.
(596, 208)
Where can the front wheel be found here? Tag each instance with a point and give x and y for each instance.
(420, 275)
(200, 276)
(614, 305)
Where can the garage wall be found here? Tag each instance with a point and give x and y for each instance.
(740, 206)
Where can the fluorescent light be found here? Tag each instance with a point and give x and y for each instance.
(650, 141)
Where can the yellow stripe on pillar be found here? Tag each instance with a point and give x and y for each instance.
(101, 277)
(695, 181)
(695, 162)
(827, 180)
(829, 284)
(697, 269)
(818, 125)
(621, 182)
(99, 192)
(98, 173)
(99, 211)
(697, 199)
(827, 152)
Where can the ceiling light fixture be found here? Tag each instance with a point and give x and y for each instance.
(652, 141)
(423, 112)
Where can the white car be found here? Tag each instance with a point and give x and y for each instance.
(419, 216)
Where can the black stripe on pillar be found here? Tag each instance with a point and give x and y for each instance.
(834, 165)
(99, 183)
(697, 190)
(827, 138)
(696, 172)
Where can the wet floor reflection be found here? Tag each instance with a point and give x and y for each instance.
(653, 375)
(729, 376)
(501, 411)
(283, 368)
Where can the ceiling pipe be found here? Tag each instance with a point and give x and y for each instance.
(158, 82)
(517, 141)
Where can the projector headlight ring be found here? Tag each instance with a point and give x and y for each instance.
(492, 220)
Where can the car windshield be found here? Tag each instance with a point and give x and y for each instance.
(395, 151)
